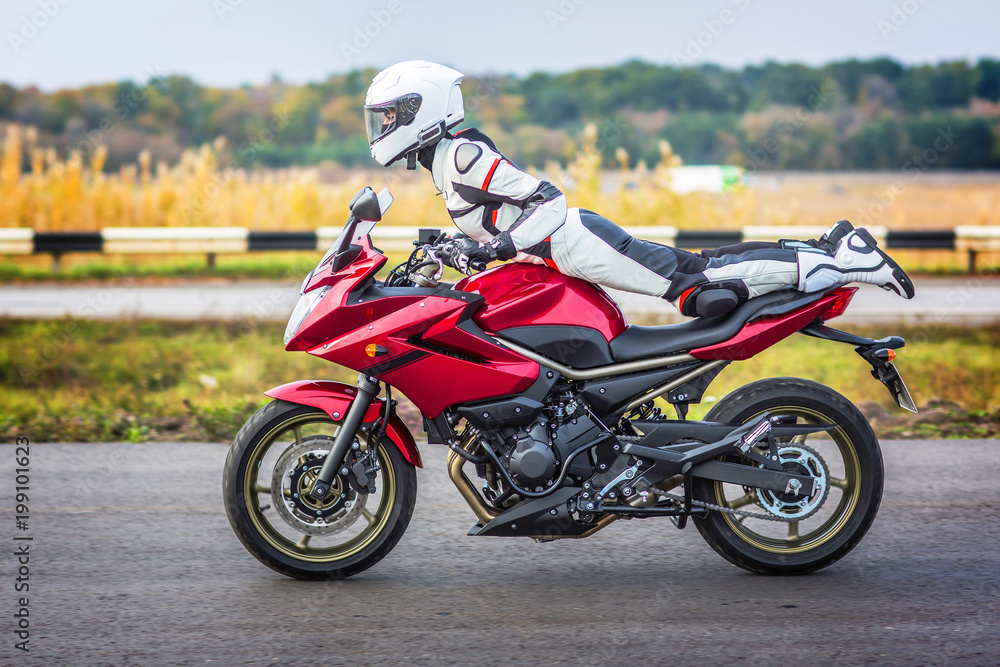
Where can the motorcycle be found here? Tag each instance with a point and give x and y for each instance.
(535, 382)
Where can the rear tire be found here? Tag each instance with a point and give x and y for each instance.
(855, 488)
(285, 442)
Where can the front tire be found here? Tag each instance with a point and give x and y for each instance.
(276, 455)
(850, 458)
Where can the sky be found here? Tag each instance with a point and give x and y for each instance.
(57, 44)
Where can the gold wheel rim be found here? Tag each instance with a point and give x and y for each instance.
(301, 550)
(829, 528)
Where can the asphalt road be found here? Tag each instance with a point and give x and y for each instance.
(133, 563)
(969, 300)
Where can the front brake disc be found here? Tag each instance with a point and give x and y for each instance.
(293, 476)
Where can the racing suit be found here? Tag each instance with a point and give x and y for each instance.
(488, 197)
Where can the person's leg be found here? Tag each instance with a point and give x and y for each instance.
(748, 269)
(754, 269)
(737, 248)
(593, 248)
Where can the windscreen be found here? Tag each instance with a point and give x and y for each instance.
(355, 230)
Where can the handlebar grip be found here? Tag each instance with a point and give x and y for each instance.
(477, 265)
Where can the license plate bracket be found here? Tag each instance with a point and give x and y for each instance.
(889, 375)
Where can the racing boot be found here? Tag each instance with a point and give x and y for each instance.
(856, 259)
(827, 243)
(832, 237)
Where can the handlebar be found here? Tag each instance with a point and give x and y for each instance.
(443, 245)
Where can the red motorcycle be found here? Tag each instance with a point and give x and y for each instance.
(534, 380)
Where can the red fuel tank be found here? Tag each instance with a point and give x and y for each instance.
(519, 295)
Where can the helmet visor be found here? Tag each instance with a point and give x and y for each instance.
(381, 119)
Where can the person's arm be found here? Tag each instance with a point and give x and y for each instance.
(486, 176)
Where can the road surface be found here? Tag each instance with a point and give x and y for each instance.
(968, 300)
(133, 563)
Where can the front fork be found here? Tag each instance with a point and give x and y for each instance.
(368, 389)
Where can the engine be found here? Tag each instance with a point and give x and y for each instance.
(535, 454)
(533, 458)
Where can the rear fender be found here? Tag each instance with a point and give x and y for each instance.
(334, 398)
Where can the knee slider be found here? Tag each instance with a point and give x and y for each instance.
(712, 299)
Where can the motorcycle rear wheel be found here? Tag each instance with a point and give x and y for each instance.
(273, 459)
(851, 460)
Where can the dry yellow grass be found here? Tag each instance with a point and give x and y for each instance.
(70, 194)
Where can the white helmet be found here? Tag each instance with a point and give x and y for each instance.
(411, 105)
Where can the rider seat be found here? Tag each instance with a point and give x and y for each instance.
(639, 342)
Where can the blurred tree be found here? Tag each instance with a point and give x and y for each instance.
(696, 136)
(851, 74)
(988, 79)
(850, 114)
(948, 142)
(63, 106)
(8, 98)
(878, 144)
(774, 83)
(949, 84)
(300, 108)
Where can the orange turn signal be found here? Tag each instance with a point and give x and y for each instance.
(892, 354)
(374, 350)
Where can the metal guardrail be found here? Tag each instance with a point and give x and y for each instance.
(214, 240)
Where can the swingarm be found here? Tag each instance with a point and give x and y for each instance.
(701, 460)
(698, 459)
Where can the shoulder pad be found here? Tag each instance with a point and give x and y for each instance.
(466, 155)
(475, 134)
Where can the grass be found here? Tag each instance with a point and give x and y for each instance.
(953, 374)
(82, 381)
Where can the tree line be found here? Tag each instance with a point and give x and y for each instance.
(854, 114)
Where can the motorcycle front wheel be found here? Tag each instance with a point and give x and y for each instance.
(810, 533)
(272, 462)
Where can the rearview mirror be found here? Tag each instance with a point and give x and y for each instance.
(365, 206)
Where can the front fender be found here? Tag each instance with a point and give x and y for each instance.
(334, 398)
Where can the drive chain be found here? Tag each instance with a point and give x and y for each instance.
(719, 508)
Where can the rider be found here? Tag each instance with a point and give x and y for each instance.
(508, 214)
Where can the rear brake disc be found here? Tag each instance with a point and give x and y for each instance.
(800, 460)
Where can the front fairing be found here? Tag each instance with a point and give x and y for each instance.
(326, 290)
(350, 259)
